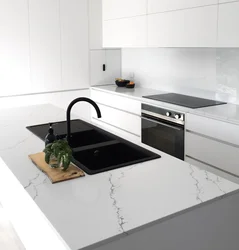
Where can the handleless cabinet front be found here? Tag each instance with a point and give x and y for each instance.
(155, 6)
(228, 25)
(125, 32)
(196, 27)
(114, 9)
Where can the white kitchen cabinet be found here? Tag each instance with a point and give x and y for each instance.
(125, 32)
(112, 61)
(116, 131)
(155, 6)
(74, 44)
(228, 25)
(214, 153)
(95, 24)
(116, 101)
(113, 65)
(227, 1)
(97, 75)
(195, 27)
(120, 119)
(206, 126)
(45, 45)
(119, 114)
(113, 9)
(213, 142)
(14, 48)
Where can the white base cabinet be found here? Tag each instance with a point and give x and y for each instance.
(119, 114)
(213, 142)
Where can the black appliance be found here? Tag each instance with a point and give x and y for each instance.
(163, 129)
(185, 100)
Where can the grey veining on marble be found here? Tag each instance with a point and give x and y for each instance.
(228, 112)
(110, 204)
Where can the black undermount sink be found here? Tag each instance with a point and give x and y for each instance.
(95, 150)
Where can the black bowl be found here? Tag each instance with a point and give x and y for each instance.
(130, 86)
(122, 83)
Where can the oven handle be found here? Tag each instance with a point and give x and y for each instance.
(163, 124)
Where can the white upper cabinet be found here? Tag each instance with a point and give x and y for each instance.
(113, 9)
(228, 25)
(195, 27)
(155, 6)
(227, 1)
(125, 32)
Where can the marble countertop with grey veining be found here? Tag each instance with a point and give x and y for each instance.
(227, 113)
(109, 204)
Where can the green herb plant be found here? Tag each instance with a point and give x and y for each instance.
(58, 154)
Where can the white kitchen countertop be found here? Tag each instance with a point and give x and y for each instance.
(106, 205)
(227, 113)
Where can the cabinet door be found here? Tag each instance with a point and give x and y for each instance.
(97, 59)
(185, 28)
(167, 5)
(74, 44)
(95, 24)
(227, 1)
(112, 61)
(113, 9)
(214, 153)
(228, 25)
(14, 48)
(126, 32)
(45, 45)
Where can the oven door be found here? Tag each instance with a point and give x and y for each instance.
(161, 135)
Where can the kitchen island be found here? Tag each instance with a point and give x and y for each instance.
(91, 211)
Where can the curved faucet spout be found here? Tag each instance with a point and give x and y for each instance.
(68, 113)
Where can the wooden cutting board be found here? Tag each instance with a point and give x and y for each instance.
(55, 174)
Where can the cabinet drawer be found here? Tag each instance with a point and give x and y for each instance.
(116, 131)
(214, 153)
(213, 128)
(115, 101)
(120, 119)
(195, 27)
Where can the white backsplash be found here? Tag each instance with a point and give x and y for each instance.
(204, 72)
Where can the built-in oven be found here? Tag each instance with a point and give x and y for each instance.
(163, 129)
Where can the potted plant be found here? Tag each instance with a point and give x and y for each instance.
(58, 154)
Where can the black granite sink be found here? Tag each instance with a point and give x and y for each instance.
(114, 155)
(94, 149)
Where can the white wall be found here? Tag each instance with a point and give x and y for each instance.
(198, 70)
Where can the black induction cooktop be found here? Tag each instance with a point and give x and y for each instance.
(185, 100)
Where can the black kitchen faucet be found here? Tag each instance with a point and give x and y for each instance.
(68, 113)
